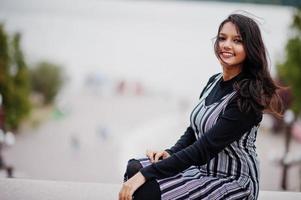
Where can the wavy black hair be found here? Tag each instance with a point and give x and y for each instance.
(256, 91)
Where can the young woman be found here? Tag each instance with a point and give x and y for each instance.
(215, 158)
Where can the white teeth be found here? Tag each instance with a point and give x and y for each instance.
(227, 54)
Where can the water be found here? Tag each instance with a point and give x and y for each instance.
(165, 44)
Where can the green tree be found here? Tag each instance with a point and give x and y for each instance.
(14, 80)
(6, 83)
(290, 70)
(47, 79)
(290, 73)
(21, 82)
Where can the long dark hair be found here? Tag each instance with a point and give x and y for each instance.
(256, 91)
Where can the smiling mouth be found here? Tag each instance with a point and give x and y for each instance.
(226, 54)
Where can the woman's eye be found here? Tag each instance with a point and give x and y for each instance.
(237, 40)
(221, 38)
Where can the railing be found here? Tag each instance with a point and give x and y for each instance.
(25, 189)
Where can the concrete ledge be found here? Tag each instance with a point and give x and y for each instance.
(22, 189)
(275, 195)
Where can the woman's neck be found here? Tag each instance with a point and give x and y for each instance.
(230, 72)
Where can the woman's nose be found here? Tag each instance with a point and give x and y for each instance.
(227, 44)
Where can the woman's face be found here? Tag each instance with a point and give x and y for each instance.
(231, 49)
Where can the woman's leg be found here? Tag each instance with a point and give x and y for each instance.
(132, 168)
(149, 190)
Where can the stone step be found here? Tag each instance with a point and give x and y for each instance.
(26, 189)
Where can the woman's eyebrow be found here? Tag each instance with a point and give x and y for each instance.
(224, 34)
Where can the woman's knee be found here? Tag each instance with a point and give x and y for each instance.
(133, 167)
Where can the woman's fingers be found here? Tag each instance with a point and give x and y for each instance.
(154, 156)
(150, 154)
(165, 154)
(122, 193)
(158, 156)
(125, 193)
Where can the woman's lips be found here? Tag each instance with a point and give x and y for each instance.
(226, 54)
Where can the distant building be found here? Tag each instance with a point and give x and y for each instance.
(295, 3)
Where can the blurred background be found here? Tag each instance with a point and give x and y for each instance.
(86, 85)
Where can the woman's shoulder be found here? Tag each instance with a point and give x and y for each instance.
(208, 84)
(212, 78)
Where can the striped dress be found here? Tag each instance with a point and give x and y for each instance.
(232, 174)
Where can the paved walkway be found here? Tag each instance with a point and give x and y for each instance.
(97, 135)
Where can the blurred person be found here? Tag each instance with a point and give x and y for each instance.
(139, 90)
(5, 139)
(75, 141)
(121, 87)
(103, 132)
(215, 158)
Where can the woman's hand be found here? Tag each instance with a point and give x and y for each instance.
(154, 156)
(130, 186)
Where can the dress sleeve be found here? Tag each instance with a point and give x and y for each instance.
(222, 134)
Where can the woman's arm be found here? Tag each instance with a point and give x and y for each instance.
(130, 186)
(231, 125)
